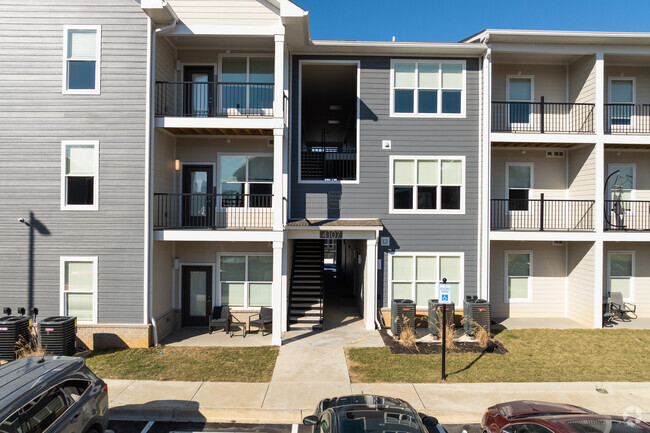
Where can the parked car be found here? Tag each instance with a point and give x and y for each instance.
(53, 394)
(524, 416)
(369, 413)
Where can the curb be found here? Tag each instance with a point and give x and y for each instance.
(214, 415)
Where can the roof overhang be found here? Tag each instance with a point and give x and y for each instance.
(159, 11)
(496, 36)
(393, 48)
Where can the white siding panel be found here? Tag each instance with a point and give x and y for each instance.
(580, 295)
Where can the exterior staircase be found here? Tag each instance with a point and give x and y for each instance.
(306, 291)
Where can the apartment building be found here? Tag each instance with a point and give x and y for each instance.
(194, 154)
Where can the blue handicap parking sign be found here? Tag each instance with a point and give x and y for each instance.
(445, 293)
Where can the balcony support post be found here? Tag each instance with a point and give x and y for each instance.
(541, 212)
(276, 293)
(541, 116)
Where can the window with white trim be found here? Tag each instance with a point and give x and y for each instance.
(79, 288)
(81, 63)
(79, 183)
(622, 93)
(518, 275)
(427, 88)
(244, 176)
(246, 280)
(417, 276)
(247, 83)
(427, 185)
(621, 274)
(519, 183)
(520, 95)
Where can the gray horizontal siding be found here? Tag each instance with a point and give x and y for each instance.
(410, 136)
(36, 117)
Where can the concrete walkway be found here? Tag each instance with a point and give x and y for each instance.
(291, 395)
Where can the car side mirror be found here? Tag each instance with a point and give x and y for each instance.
(310, 420)
(428, 421)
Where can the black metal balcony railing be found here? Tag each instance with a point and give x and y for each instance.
(341, 165)
(627, 118)
(541, 214)
(192, 99)
(214, 211)
(543, 117)
(632, 215)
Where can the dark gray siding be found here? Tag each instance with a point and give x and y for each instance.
(35, 118)
(410, 136)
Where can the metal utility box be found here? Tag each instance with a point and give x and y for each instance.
(434, 307)
(58, 335)
(14, 331)
(402, 315)
(477, 313)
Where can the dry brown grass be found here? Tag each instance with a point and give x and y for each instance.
(407, 337)
(483, 338)
(26, 348)
(450, 344)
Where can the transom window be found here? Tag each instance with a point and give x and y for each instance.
(518, 275)
(519, 181)
(246, 176)
(417, 276)
(428, 88)
(621, 274)
(256, 75)
(246, 280)
(427, 185)
(79, 162)
(79, 287)
(81, 69)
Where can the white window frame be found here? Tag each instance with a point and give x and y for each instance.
(82, 207)
(506, 299)
(615, 128)
(463, 95)
(234, 111)
(247, 182)
(62, 292)
(246, 282)
(530, 189)
(632, 277)
(98, 60)
(438, 210)
(437, 255)
(532, 99)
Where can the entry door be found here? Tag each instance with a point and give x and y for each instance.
(520, 95)
(199, 91)
(198, 206)
(196, 301)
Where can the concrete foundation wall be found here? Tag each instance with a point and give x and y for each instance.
(97, 337)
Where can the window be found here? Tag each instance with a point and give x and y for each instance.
(526, 428)
(79, 288)
(519, 182)
(621, 92)
(427, 88)
(246, 176)
(43, 411)
(520, 95)
(519, 266)
(417, 276)
(79, 166)
(247, 83)
(621, 274)
(246, 280)
(81, 59)
(427, 185)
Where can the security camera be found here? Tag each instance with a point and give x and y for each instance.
(21, 220)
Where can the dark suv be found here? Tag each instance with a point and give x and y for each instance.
(53, 394)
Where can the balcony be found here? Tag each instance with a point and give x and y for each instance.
(543, 117)
(627, 118)
(212, 211)
(627, 215)
(328, 165)
(213, 99)
(542, 215)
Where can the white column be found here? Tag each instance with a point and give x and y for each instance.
(276, 295)
(483, 290)
(278, 177)
(598, 283)
(278, 77)
(370, 295)
(285, 284)
(599, 112)
(599, 209)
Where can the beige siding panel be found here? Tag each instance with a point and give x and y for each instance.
(641, 275)
(207, 150)
(582, 80)
(206, 252)
(162, 277)
(549, 81)
(225, 12)
(548, 282)
(582, 173)
(165, 60)
(164, 170)
(549, 174)
(642, 162)
(581, 274)
(640, 73)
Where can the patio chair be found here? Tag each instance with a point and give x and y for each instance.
(264, 317)
(608, 314)
(624, 311)
(219, 319)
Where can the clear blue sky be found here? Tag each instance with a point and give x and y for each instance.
(453, 20)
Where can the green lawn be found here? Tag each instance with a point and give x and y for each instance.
(215, 364)
(536, 355)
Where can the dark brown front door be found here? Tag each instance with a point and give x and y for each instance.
(196, 301)
(198, 206)
(199, 91)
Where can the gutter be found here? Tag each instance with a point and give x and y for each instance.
(169, 27)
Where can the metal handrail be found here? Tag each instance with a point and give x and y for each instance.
(542, 214)
(627, 215)
(543, 117)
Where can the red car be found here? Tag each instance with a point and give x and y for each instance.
(524, 416)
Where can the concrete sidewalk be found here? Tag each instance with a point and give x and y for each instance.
(291, 395)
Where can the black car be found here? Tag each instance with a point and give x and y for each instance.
(53, 394)
(369, 413)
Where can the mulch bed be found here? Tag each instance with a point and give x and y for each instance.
(436, 348)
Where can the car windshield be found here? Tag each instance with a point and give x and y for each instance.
(606, 426)
(378, 419)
